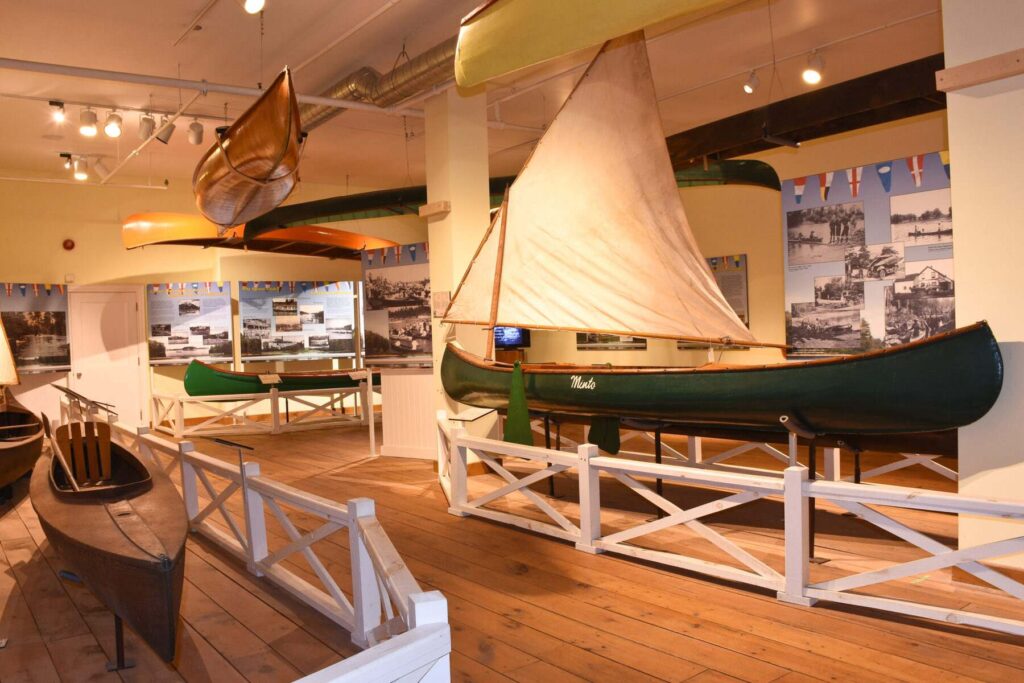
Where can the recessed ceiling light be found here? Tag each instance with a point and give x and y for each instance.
(253, 6)
(147, 124)
(57, 111)
(87, 123)
(81, 168)
(112, 127)
(812, 72)
(752, 82)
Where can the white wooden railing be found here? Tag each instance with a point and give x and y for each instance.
(403, 628)
(791, 581)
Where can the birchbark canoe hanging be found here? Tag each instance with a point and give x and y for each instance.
(253, 166)
(600, 180)
(119, 524)
(205, 380)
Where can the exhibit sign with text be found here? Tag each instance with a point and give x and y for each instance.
(297, 320)
(396, 281)
(35, 318)
(189, 320)
(731, 276)
(869, 256)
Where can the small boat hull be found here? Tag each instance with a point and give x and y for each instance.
(21, 442)
(935, 384)
(205, 380)
(128, 549)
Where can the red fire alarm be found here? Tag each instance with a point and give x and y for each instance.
(69, 244)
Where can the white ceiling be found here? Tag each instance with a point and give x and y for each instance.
(698, 69)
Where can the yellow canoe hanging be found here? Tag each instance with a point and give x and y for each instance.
(502, 36)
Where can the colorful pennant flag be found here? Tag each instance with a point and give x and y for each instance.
(8, 286)
(915, 164)
(853, 176)
(884, 171)
(412, 252)
(825, 184)
(798, 188)
(944, 158)
(24, 289)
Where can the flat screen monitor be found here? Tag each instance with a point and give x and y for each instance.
(511, 337)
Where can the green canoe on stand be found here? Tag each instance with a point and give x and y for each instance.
(205, 380)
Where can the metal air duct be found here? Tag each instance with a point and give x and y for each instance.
(424, 71)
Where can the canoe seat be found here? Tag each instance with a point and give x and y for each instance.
(86, 447)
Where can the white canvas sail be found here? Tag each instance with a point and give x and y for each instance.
(8, 372)
(595, 237)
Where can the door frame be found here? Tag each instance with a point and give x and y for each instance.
(139, 291)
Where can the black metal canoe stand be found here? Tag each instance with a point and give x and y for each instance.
(657, 459)
(120, 663)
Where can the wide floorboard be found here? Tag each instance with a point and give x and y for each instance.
(523, 607)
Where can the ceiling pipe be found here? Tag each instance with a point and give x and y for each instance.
(79, 183)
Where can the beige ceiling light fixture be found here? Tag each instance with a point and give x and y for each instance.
(113, 125)
(81, 165)
(147, 124)
(751, 84)
(57, 111)
(812, 73)
(253, 6)
(166, 130)
(87, 123)
(195, 132)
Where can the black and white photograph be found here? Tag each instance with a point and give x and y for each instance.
(284, 344)
(37, 338)
(286, 307)
(256, 327)
(838, 291)
(922, 217)
(287, 323)
(189, 307)
(199, 330)
(921, 303)
(589, 341)
(409, 329)
(396, 286)
(813, 328)
(311, 314)
(319, 341)
(339, 327)
(160, 330)
(823, 234)
(875, 262)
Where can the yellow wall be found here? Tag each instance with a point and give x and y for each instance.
(38, 217)
(736, 219)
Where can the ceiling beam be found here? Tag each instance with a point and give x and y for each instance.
(895, 93)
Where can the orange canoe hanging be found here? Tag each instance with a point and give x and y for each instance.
(253, 166)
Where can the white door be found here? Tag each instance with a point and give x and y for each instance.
(107, 349)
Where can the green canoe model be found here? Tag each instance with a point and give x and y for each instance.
(205, 380)
(938, 383)
(592, 238)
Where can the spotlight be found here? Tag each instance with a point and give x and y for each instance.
(812, 72)
(57, 111)
(112, 127)
(147, 124)
(195, 132)
(253, 6)
(81, 168)
(752, 82)
(66, 156)
(166, 130)
(87, 123)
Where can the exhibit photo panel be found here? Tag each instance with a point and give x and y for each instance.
(397, 310)
(35, 318)
(868, 256)
(189, 320)
(297, 320)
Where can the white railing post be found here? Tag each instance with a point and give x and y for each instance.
(590, 499)
(255, 519)
(366, 597)
(189, 489)
(143, 447)
(694, 450)
(797, 533)
(444, 454)
(427, 608)
(833, 464)
(275, 411)
(458, 473)
(179, 419)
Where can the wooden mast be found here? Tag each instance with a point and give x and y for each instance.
(496, 290)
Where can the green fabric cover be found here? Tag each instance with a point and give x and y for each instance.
(517, 421)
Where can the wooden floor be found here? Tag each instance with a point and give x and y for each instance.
(522, 607)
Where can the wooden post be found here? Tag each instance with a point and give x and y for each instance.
(189, 490)
(427, 608)
(833, 464)
(370, 412)
(179, 418)
(366, 597)
(458, 473)
(143, 447)
(275, 411)
(255, 520)
(590, 499)
(695, 450)
(797, 535)
(496, 289)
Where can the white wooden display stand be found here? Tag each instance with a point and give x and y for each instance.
(324, 408)
(403, 629)
(408, 398)
(795, 488)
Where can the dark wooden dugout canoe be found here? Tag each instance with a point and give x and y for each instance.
(935, 384)
(205, 380)
(21, 442)
(252, 167)
(124, 535)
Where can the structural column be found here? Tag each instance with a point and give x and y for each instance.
(985, 141)
(457, 173)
